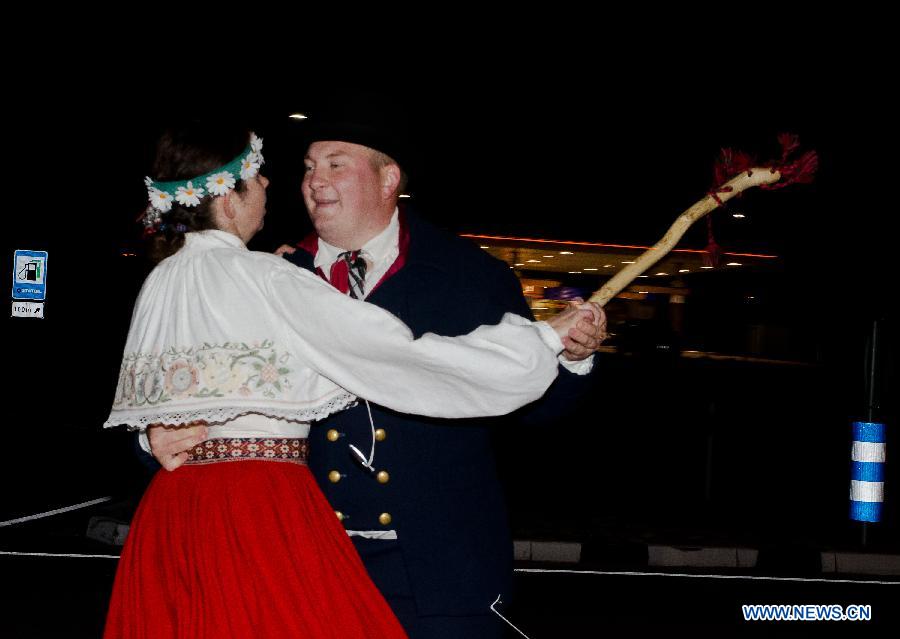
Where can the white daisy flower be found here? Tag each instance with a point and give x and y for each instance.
(220, 183)
(255, 143)
(148, 182)
(188, 195)
(160, 200)
(250, 166)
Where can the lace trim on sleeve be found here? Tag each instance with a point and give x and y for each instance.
(139, 420)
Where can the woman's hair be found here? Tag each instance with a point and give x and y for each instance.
(183, 153)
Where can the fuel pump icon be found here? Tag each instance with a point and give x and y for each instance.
(31, 272)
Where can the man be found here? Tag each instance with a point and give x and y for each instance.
(419, 496)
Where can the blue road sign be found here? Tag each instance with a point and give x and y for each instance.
(29, 275)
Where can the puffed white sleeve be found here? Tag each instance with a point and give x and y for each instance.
(368, 351)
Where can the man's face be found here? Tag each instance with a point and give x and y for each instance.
(343, 192)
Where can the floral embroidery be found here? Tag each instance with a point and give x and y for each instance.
(210, 370)
(181, 379)
(218, 372)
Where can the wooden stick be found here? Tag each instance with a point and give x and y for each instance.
(747, 179)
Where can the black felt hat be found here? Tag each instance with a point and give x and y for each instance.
(378, 122)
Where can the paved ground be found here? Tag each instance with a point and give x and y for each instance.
(67, 597)
(46, 597)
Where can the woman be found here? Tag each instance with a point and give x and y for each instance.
(257, 349)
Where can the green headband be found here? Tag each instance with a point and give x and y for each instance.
(217, 182)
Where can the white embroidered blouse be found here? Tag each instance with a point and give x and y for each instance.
(255, 346)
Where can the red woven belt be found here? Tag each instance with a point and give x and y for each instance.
(244, 448)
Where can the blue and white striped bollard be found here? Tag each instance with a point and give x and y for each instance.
(867, 471)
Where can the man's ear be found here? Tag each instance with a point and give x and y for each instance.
(390, 181)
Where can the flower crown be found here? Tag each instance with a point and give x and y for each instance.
(217, 182)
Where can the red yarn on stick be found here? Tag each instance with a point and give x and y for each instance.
(801, 170)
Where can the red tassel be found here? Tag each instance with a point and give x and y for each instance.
(713, 255)
(800, 171)
(731, 163)
(722, 169)
(789, 142)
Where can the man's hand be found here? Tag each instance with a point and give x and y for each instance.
(585, 337)
(169, 444)
(285, 249)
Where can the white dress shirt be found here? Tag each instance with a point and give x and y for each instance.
(380, 253)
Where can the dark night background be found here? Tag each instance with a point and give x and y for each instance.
(570, 154)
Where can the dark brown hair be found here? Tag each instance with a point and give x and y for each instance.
(182, 153)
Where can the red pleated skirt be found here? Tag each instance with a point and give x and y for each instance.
(242, 549)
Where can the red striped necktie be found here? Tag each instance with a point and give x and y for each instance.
(348, 274)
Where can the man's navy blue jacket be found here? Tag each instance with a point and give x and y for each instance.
(442, 494)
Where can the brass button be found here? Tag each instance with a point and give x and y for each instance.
(340, 515)
(384, 519)
(383, 477)
(333, 435)
(334, 476)
(380, 435)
